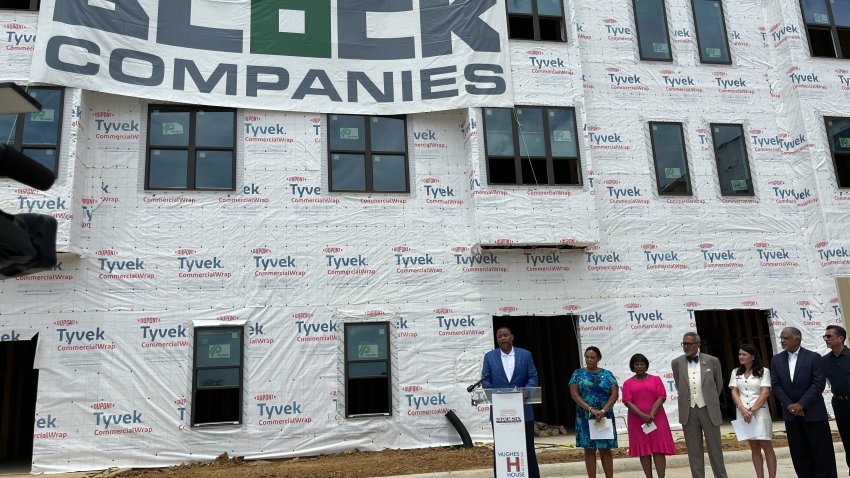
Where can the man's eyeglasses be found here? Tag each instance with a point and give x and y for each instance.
(688, 344)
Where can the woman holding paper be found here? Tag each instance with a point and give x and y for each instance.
(750, 385)
(650, 437)
(595, 391)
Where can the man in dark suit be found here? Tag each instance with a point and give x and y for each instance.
(513, 367)
(699, 383)
(798, 380)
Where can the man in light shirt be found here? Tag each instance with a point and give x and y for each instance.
(798, 380)
(513, 367)
(699, 383)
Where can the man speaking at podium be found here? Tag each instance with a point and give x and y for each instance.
(513, 367)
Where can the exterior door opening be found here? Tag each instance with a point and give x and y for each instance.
(723, 332)
(18, 391)
(553, 345)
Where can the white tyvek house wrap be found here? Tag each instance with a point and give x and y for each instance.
(281, 209)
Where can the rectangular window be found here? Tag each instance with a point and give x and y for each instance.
(20, 4)
(367, 369)
(710, 27)
(368, 154)
(671, 158)
(532, 146)
(38, 134)
(652, 32)
(191, 148)
(828, 27)
(541, 20)
(730, 153)
(217, 376)
(838, 130)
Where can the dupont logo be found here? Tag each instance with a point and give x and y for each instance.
(14, 26)
(548, 262)
(508, 309)
(227, 318)
(504, 241)
(412, 388)
(148, 320)
(263, 397)
(571, 307)
(302, 315)
(443, 310)
(749, 303)
(268, 264)
(340, 264)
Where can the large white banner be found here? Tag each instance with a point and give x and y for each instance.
(334, 56)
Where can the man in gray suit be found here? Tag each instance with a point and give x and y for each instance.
(699, 382)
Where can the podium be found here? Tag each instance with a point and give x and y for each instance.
(508, 418)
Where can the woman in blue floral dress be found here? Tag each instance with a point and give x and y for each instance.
(595, 392)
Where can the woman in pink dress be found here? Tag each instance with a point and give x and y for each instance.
(644, 396)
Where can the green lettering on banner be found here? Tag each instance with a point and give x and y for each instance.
(266, 37)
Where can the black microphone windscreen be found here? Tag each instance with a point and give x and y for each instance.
(22, 168)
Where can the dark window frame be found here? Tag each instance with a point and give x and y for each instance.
(34, 5)
(347, 362)
(17, 140)
(833, 32)
(367, 153)
(535, 22)
(725, 35)
(751, 191)
(666, 27)
(191, 148)
(690, 191)
(195, 370)
(518, 159)
(836, 154)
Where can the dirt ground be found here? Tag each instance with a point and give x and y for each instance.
(357, 464)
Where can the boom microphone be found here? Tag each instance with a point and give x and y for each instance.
(22, 168)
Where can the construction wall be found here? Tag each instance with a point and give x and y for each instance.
(115, 320)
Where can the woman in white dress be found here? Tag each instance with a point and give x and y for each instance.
(750, 385)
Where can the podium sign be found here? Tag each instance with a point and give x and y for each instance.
(509, 435)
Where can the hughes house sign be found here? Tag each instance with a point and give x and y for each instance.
(335, 56)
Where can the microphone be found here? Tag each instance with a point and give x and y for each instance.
(472, 387)
(22, 168)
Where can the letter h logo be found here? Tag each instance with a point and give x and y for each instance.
(514, 463)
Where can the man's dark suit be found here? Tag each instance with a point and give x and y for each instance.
(809, 436)
(525, 375)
